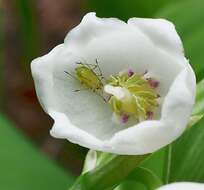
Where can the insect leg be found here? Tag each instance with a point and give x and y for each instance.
(78, 90)
(100, 95)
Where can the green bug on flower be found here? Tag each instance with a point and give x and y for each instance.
(87, 75)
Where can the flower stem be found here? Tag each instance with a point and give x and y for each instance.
(109, 174)
(167, 167)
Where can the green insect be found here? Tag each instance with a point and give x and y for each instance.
(88, 77)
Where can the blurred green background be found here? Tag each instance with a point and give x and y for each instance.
(29, 157)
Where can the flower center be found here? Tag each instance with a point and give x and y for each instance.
(132, 96)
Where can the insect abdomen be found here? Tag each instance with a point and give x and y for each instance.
(88, 78)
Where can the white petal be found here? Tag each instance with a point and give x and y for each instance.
(42, 71)
(63, 128)
(91, 27)
(83, 117)
(183, 186)
(161, 32)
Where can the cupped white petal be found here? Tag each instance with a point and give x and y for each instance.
(83, 117)
(161, 32)
(42, 71)
(90, 28)
(183, 186)
(64, 129)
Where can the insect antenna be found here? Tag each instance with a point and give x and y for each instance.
(99, 68)
(71, 75)
(100, 95)
(100, 71)
(88, 65)
(78, 90)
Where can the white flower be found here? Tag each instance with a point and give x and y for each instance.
(183, 186)
(149, 47)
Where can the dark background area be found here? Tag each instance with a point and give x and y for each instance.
(31, 29)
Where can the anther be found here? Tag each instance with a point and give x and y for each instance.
(153, 83)
(150, 115)
(124, 118)
(130, 72)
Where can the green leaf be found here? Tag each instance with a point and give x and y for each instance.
(198, 109)
(194, 119)
(188, 155)
(167, 164)
(188, 17)
(199, 105)
(156, 162)
(24, 167)
(141, 176)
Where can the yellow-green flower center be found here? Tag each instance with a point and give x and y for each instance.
(140, 97)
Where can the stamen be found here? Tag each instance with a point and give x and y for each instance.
(124, 118)
(153, 83)
(130, 72)
(150, 115)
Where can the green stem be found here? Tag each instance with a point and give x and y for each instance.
(109, 174)
(167, 167)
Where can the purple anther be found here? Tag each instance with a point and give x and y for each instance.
(124, 118)
(150, 115)
(130, 72)
(153, 83)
